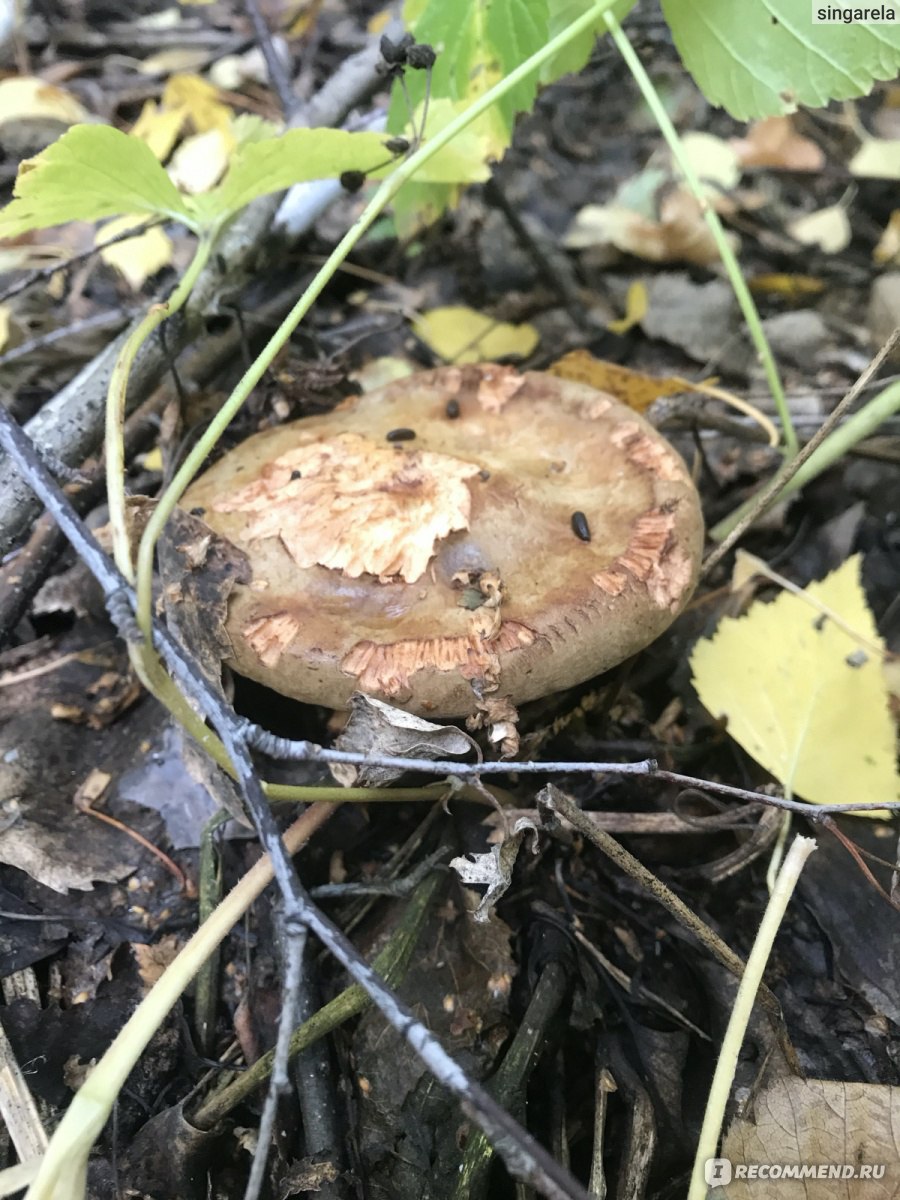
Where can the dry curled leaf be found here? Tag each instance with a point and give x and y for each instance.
(496, 867)
(380, 729)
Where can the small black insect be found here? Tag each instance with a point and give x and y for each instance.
(352, 181)
(452, 409)
(483, 475)
(198, 512)
(296, 474)
(400, 435)
(420, 57)
(397, 145)
(580, 526)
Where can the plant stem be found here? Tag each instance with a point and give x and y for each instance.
(62, 1170)
(379, 202)
(391, 963)
(723, 1077)
(115, 405)
(835, 446)
(732, 268)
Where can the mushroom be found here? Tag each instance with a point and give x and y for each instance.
(462, 535)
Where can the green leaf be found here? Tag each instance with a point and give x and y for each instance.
(576, 54)
(477, 42)
(259, 168)
(92, 171)
(766, 57)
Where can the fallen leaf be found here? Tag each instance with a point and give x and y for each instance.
(137, 258)
(159, 127)
(773, 142)
(826, 1129)
(200, 161)
(152, 960)
(199, 100)
(828, 228)
(887, 252)
(378, 372)
(714, 160)
(678, 233)
(28, 98)
(791, 287)
(633, 388)
(461, 335)
(635, 309)
(380, 729)
(496, 867)
(877, 158)
(804, 693)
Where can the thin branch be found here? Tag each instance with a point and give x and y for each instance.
(525, 1158)
(773, 489)
(278, 76)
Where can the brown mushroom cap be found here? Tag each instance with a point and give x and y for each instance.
(425, 543)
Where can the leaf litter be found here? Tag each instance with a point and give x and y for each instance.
(473, 980)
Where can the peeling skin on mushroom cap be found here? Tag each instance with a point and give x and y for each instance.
(438, 571)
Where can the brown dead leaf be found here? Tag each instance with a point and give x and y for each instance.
(152, 960)
(678, 232)
(380, 729)
(773, 142)
(633, 388)
(817, 1123)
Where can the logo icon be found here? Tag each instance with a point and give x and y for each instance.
(717, 1172)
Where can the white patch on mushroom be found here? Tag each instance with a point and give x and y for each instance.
(354, 506)
(496, 386)
(270, 636)
(649, 558)
(388, 667)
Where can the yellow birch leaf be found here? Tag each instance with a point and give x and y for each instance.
(461, 335)
(201, 101)
(139, 257)
(802, 695)
(25, 97)
(636, 305)
(159, 127)
(633, 388)
(200, 161)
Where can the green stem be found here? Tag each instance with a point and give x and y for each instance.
(115, 404)
(376, 206)
(732, 268)
(861, 425)
(63, 1168)
(747, 991)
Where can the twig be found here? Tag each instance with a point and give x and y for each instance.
(98, 321)
(39, 273)
(556, 801)
(776, 485)
(294, 950)
(525, 1158)
(70, 424)
(278, 76)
